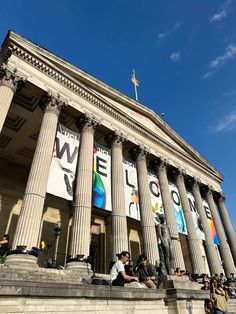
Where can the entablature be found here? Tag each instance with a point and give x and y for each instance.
(47, 75)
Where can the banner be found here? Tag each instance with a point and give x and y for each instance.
(179, 215)
(131, 190)
(63, 164)
(211, 223)
(157, 206)
(102, 177)
(196, 217)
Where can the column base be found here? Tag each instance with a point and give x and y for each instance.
(83, 268)
(21, 261)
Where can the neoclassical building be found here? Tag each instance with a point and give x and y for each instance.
(129, 166)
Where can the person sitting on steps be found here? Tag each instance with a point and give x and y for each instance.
(118, 274)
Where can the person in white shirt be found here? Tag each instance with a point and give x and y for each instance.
(118, 274)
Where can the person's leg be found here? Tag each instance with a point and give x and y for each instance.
(117, 282)
(216, 311)
(150, 284)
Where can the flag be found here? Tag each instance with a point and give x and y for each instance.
(134, 80)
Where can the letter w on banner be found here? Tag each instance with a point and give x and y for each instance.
(63, 165)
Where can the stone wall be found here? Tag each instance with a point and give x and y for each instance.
(54, 291)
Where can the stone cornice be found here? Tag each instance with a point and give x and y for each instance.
(19, 47)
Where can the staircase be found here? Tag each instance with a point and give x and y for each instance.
(232, 306)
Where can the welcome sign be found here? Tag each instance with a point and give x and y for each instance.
(62, 175)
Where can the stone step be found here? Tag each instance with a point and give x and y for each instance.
(232, 306)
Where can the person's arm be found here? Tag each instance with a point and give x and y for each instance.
(152, 272)
(127, 277)
(3, 241)
(141, 274)
(226, 295)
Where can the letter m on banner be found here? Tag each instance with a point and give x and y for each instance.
(63, 165)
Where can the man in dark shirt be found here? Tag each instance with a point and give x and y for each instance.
(146, 272)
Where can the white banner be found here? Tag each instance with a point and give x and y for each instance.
(102, 177)
(196, 217)
(157, 206)
(131, 190)
(63, 165)
(179, 215)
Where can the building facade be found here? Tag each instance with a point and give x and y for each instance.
(129, 167)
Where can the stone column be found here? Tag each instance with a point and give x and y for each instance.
(225, 253)
(9, 83)
(118, 214)
(80, 236)
(229, 230)
(193, 241)
(212, 256)
(28, 225)
(150, 243)
(169, 214)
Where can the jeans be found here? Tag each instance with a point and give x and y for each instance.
(216, 311)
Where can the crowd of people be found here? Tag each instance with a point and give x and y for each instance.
(124, 273)
(144, 274)
(220, 291)
(147, 275)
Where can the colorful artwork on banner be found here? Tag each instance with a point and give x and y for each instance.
(102, 177)
(211, 223)
(63, 164)
(157, 206)
(196, 217)
(179, 215)
(131, 190)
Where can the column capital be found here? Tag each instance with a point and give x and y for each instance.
(195, 182)
(220, 196)
(9, 78)
(51, 103)
(87, 122)
(209, 190)
(160, 163)
(116, 138)
(140, 152)
(179, 173)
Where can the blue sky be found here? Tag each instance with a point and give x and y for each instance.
(184, 54)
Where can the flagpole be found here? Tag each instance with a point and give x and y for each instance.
(135, 88)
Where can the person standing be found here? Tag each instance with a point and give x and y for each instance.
(220, 298)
